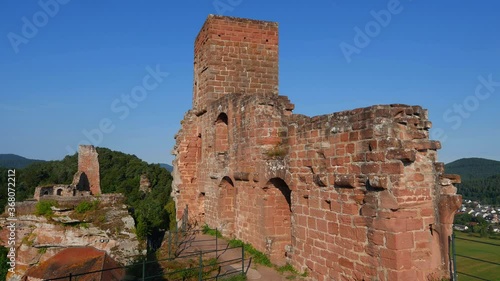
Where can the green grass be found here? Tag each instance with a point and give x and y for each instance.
(287, 268)
(43, 208)
(258, 257)
(86, 206)
(485, 252)
(213, 232)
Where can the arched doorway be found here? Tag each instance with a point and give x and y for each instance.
(227, 199)
(59, 192)
(278, 216)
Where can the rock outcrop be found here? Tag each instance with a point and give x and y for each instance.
(109, 228)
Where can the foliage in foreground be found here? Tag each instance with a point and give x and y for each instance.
(4, 266)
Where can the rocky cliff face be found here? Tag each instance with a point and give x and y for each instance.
(107, 227)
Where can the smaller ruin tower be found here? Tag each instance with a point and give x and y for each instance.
(88, 163)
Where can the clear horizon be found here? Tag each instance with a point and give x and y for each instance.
(70, 68)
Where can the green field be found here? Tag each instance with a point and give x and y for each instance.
(480, 251)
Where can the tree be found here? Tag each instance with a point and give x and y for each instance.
(463, 219)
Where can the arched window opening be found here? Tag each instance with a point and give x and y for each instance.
(221, 133)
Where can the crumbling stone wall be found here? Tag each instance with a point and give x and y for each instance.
(351, 195)
(81, 185)
(88, 163)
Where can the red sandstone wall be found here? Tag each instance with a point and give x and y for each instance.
(366, 189)
(350, 195)
(89, 164)
(186, 168)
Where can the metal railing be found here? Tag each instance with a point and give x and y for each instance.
(179, 242)
(204, 269)
(454, 254)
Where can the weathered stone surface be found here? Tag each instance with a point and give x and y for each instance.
(114, 235)
(348, 195)
(145, 184)
(78, 260)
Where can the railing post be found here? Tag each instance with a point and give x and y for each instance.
(455, 275)
(200, 274)
(169, 243)
(176, 237)
(144, 269)
(242, 259)
(70, 276)
(216, 243)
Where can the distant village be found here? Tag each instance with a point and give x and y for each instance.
(478, 211)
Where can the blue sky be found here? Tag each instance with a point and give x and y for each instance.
(65, 68)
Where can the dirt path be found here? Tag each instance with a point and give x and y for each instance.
(230, 258)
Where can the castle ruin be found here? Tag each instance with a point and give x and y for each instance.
(86, 180)
(353, 195)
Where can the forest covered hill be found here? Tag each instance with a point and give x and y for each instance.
(480, 179)
(14, 161)
(473, 168)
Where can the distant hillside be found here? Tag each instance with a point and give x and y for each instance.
(166, 166)
(15, 161)
(473, 168)
(480, 179)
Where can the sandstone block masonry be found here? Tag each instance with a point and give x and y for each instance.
(353, 195)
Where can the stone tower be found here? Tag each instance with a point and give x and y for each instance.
(234, 55)
(88, 163)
